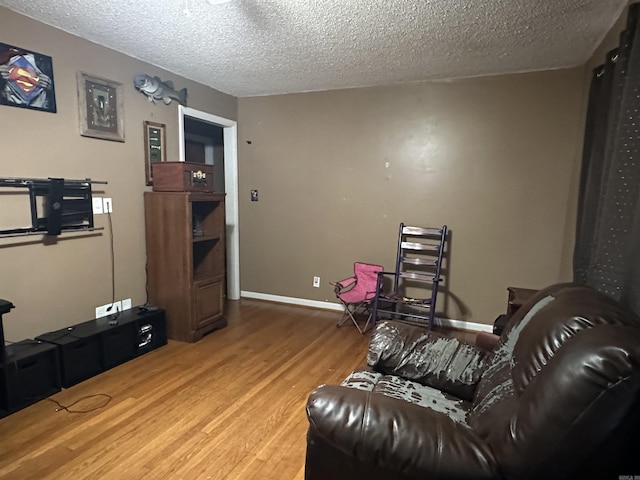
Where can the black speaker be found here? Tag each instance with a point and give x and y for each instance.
(151, 327)
(118, 344)
(30, 373)
(79, 353)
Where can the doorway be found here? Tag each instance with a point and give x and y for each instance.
(204, 144)
(230, 166)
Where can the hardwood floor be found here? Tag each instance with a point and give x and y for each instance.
(231, 406)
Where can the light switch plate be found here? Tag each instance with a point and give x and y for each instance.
(97, 205)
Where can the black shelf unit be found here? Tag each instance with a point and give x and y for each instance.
(28, 370)
(32, 370)
(91, 347)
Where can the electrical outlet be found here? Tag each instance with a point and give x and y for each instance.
(126, 304)
(108, 309)
(101, 311)
(96, 203)
(107, 205)
(115, 307)
(316, 282)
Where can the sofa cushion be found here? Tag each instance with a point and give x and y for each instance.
(426, 357)
(423, 396)
(362, 379)
(408, 391)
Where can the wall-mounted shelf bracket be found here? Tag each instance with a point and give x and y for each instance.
(57, 205)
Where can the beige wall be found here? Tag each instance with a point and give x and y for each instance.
(337, 171)
(57, 285)
(496, 159)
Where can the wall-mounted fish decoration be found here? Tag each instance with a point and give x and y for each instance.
(156, 89)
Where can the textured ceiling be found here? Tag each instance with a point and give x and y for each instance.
(263, 47)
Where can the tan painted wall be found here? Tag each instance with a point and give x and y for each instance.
(494, 158)
(57, 285)
(337, 171)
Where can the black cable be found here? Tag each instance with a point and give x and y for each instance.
(146, 283)
(68, 407)
(116, 314)
(113, 262)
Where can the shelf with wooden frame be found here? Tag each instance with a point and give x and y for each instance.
(185, 236)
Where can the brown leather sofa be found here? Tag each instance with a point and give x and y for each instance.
(559, 398)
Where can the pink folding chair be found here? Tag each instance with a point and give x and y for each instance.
(357, 292)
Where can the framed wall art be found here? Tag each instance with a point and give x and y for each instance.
(154, 147)
(26, 79)
(100, 103)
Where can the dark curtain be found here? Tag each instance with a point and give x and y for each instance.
(607, 249)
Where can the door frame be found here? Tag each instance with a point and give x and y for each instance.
(230, 137)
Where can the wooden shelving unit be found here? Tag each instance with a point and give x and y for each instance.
(186, 260)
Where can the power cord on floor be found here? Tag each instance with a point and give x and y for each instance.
(68, 407)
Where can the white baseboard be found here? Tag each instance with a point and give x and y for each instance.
(292, 300)
(445, 322)
(464, 325)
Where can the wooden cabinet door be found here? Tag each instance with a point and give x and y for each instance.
(207, 302)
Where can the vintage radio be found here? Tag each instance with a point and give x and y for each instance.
(182, 177)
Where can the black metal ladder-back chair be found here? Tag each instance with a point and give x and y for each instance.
(414, 288)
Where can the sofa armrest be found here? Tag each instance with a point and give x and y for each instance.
(396, 435)
(427, 357)
(487, 341)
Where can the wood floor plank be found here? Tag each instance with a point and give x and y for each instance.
(228, 407)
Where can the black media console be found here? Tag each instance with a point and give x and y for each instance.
(32, 370)
(92, 347)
